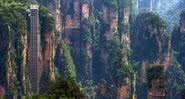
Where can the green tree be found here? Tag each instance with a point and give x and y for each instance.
(64, 61)
(64, 88)
(119, 64)
(89, 88)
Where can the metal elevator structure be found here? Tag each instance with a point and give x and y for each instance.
(34, 46)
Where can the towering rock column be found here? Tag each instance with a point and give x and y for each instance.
(178, 39)
(54, 7)
(2, 91)
(86, 38)
(72, 31)
(108, 35)
(123, 23)
(182, 22)
(151, 46)
(127, 88)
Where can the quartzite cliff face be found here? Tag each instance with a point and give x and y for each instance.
(151, 46)
(178, 39)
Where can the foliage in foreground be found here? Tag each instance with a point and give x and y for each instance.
(61, 89)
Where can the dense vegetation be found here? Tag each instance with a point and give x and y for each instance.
(149, 43)
(47, 24)
(87, 30)
(13, 26)
(119, 64)
(61, 89)
(64, 61)
(110, 3)
(148, 27)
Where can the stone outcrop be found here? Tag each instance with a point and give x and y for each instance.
(54, 6)
(103, 91)
(182, 22)
(71, 25)
(156, 92)
(114, 20)
(156, 83)
(77, 34)
(178, 39)
(151, 45)
(13, 58)
(159, 53)
(86, 38)
(109, 24)
(2, 91)
(85, 10)
(47, 61)
(124, 89)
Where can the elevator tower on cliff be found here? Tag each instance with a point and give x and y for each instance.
(34, 46)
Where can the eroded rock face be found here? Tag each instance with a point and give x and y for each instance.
(114, 21)
(103, 92)
(178, 39)
(156, 82)
(86, 39)
(77, 33)
(2, 91)
(85, 10)
(155, 40)
(24, 63)
(150, 44)
(47, 61)
(182, 22)
(48, 52)
(110, 17)
(10, 69)
(72, 33)
(54, 7)
(156, 92)
(108, 35)
(124, 89)
(3, 48)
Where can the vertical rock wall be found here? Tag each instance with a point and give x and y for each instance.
(71, 33)
(13, 48)
(109, 24)
(178, 39)
(151, 46)
(182, 22)
(156, 83)
(86, 38)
